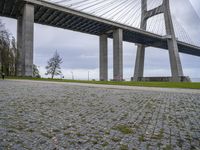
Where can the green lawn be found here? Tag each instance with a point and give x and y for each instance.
(125, 83)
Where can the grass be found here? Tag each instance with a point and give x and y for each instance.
(186, 85)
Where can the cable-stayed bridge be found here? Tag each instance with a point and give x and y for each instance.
(144, 22)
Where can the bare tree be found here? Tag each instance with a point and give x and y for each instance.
(13, 57)
(36, 72)
(53, 66)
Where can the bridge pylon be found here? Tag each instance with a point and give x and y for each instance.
(175, 62)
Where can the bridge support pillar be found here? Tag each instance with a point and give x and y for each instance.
(25, 31)
(140, 56)
(118, 55)
(139, 63)
(103, 57)
(175, 62)
(20, 60)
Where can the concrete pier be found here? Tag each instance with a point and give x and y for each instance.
(140, 56)
(139, 62)
(20, 60)
(175, 62)
(103, 47)
(25, 31)
(118, 55)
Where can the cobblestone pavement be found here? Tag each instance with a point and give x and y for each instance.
(39, 115)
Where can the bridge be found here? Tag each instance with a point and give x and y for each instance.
(28, 12)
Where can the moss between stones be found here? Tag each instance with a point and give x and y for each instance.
(123, 129)
(141, 138)
(115, 139)
(123, 147)
(167, 147)
(105, 144)
(159, 135)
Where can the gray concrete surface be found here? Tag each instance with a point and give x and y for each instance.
(139, 63)
(118, 55)
(103, 61)
(25, 33)
(175, 61)
(46, 115)
(140, 56)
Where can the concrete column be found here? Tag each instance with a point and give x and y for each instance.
(20, 59)
(140, 56)
(175, 62)
(139, 63)
(118, 55)
(103, 47)
(25, 31)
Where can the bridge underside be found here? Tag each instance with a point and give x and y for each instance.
(60, 17)
(28, 12)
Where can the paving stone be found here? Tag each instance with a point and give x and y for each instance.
(38, 115)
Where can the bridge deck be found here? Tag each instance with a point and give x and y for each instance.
(50, 14)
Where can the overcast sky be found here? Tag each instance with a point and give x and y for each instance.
(80, 52)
